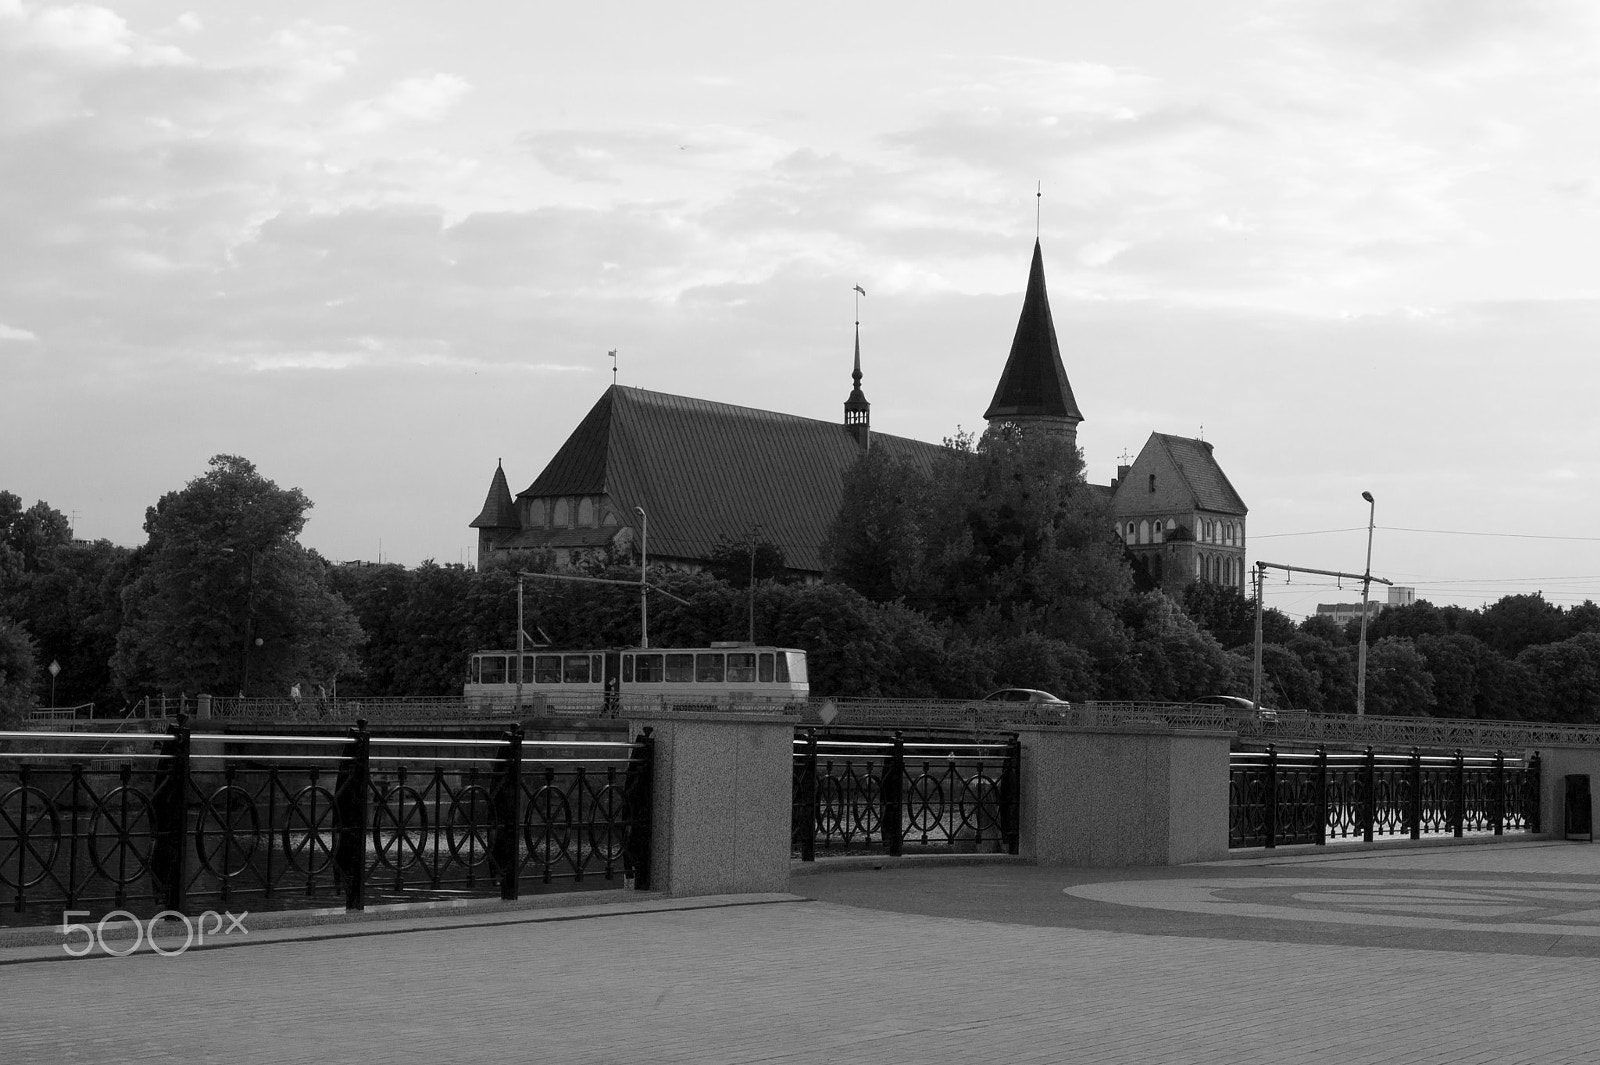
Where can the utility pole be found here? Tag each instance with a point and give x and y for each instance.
(644, 589)
(1366, 586)
(1261, 567)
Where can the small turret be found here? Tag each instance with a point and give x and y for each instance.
(857, 411)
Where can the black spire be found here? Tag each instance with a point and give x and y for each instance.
(1033, 387)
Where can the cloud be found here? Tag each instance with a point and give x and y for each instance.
(425, 98)
(8, 332)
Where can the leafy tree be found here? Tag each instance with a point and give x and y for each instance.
(1033, 660)
(1331, 665)
(1294, 686)
(1323, 628)
(72, 606)
(1517, 622)
(27, 536)
(735, 562)
(1398, 681)
(1455, 661)
(226, 599)
(1168, 657)
(18, 668)
(876, 542)
(1568, 677)
(1421, 618)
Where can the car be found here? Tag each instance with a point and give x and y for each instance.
(1236, 703)
(1025, 695)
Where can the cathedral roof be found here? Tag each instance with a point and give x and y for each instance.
(1034, 382)
(1200, 472)
(706, 471)
(499, 511)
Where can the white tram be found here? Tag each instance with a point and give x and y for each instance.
(723, 674)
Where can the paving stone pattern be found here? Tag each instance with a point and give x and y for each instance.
(791, 980)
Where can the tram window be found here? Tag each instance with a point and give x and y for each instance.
(494, 669)
(575, 669)
(627, 669)
(597, 667)
(783, 668)
(797, 666)
(475, 671)
(547, 669)
(765, 674)
(648, 670)
(708, 669)
(741, 668)
(527, 669)
(680, 669)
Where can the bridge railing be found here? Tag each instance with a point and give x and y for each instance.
(1278, 798)
(877, 793)
(168, 821)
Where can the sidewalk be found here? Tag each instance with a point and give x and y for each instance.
(1326, 958)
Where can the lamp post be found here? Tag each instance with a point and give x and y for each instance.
(644, 608)
(1366, 587)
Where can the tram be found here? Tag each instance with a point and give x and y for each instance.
(721, 675)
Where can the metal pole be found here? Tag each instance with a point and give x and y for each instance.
(519, 645)
(1255, 694)
(644, 603)
(1366, 586)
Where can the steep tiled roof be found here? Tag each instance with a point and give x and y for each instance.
(1034, 382)
(499, 511)
(703, 471)
(1198, 467)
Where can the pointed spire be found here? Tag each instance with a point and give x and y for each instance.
(1033, 389)
(857, 411)
(499, 509)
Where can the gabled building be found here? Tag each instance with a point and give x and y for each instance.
(691, 474)
(1178, 514)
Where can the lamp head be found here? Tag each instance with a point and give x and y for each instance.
(1367, 496)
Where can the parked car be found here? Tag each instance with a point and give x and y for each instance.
(1239, 704)
(1024, 704)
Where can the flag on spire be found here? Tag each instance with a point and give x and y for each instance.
(861, 290)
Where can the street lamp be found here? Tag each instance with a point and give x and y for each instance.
(1366, 586)
(644, 609)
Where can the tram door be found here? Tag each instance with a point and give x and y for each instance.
(613, 681)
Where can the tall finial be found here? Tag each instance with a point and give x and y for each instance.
(1038, 208)
(856, 374)
(613, 354)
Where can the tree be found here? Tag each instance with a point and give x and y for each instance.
(18, 667)
(225, 598)
(736, 562)
(1517, 622)
(27, 536)
(875, 542)
(1568, 677)
(1398, 681)
(1330, 664)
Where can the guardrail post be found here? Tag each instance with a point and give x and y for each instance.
(350, 816)
(1497, 794)
(1533, 794)
(808, 799)
(169, 815)
(1269, 811)
(1322, 797)
(1459, 815)
(894, 778)
(503, 849)
(1369, 795)
(638, 790)
(1415, 805)
(1011, 796)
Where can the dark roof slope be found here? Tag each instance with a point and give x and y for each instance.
(499, 511)
(704, 471)
(1198, 467)
(1034, 381)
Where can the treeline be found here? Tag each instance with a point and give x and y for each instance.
(993, 569)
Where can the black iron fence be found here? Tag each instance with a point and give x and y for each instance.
(882, 794)
(1278, 798)
(101, 822)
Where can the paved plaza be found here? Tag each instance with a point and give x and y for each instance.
(1451, 955)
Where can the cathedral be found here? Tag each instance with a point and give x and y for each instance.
(680, 477)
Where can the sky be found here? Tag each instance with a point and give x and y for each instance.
(376, 247)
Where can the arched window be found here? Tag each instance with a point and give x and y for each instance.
(1155, 533)
(1144, 531)
(1132, 532)
(561, 513)
(1152, 482)
(585, 512)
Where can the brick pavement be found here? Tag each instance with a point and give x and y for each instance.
(788, 980)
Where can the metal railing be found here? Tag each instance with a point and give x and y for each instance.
(177, 819)
(877, 794)
(1277, 798)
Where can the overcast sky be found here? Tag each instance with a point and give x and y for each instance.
(376, 246)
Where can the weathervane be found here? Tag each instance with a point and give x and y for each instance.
(859, 291)
(613, 354)
(1038, 209)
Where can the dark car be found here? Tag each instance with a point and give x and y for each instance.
(1023, 695)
